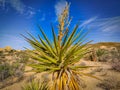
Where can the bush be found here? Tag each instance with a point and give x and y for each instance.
(22, 56)
(101, 53)
(7, 70)
(97, 55)
(111, 83)
(116, 66)
(35, 85)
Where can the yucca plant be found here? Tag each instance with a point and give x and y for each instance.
(59, 57)
(35, 85)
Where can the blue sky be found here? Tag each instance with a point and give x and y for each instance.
(102, 17)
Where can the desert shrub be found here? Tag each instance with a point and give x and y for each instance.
(22, 57)
(114, 55)
(97, 55)
(7, 70)
(111, 83)
(93, 56)
(101, 53)
(35, 85)
(104, 55)
(116, 66)
(1, 52)
(118, 48)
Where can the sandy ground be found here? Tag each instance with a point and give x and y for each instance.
(102, 72)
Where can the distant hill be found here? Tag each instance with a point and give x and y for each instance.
(96, 45)
(106, 44)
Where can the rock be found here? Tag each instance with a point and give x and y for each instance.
(8, 48)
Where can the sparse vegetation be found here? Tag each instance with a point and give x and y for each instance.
(110, 83)
(54, 64)
(22, 57)
(35, 85)
(116, 66)
(7, 70)
(93, 56)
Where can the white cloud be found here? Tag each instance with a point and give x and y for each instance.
(19, 6)
(30, 12)
(16, 4)
(105, 29)
(86, 22)
(110, 25)
(59, 6)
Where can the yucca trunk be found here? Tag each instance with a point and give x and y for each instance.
(65, 79)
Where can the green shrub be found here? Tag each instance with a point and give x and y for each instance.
(35, 85)
(7, 70)
(22, 56)
(101, 54)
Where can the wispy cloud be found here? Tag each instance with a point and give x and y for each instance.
(30, 12)
(89, 21)
(108, 25)
(105, 29)
(59, 6)
(19, 6)
(16, 4)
